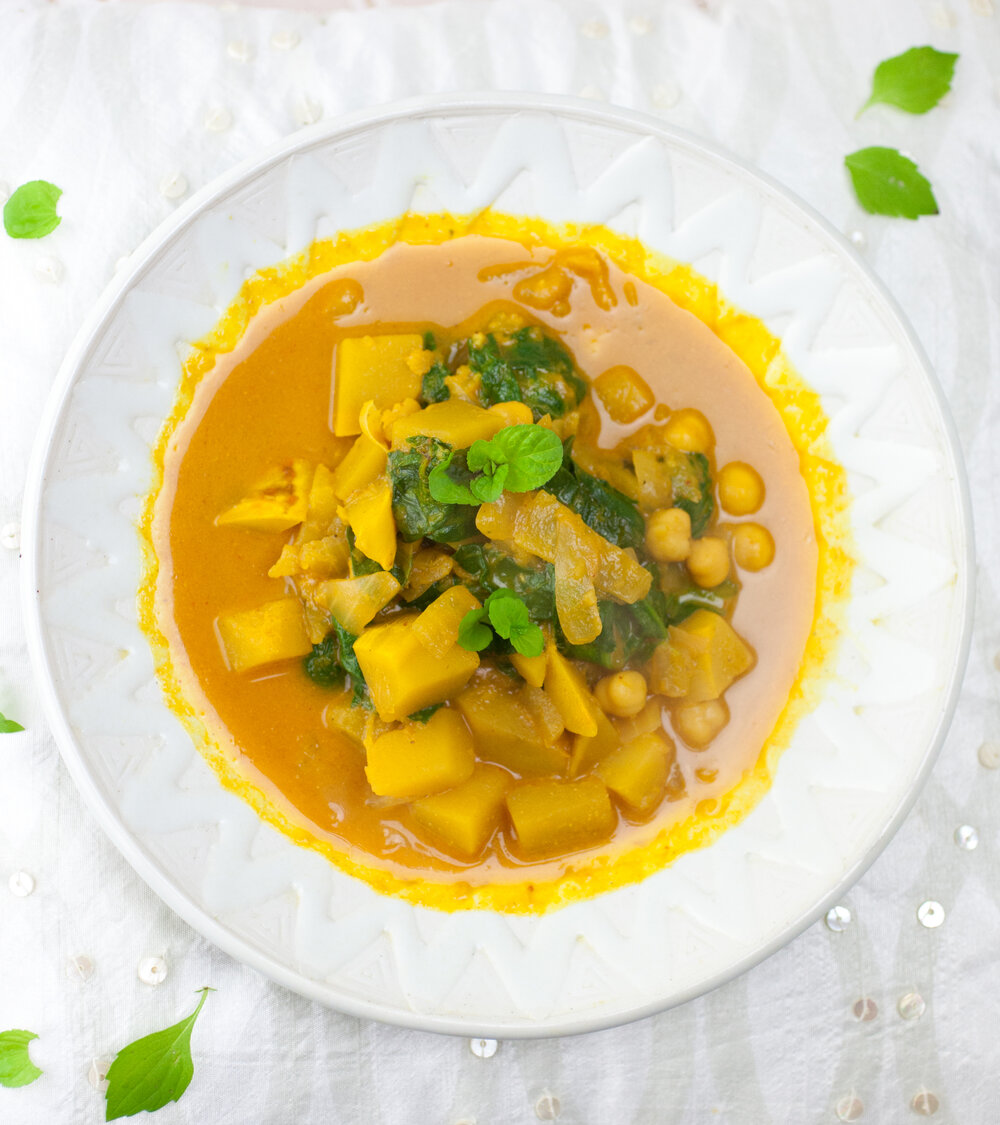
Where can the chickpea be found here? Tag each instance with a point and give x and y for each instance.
(513, 413)
(708, 561)
(752, 546)
(741, 491)
(622, 694)
(699, 723)
(668, 535)
(689, 430)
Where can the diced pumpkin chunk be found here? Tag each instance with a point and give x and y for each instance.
(624, 394)
(506, 730)
(453, 421)
(324, 558)
(464, 818)
(587, 752)
(496, 520)
(402, 675)
(649, 719)
(532, 668)
(422, 758)
(551, 817)
(576, 597)
(276, 503)
(637, 772)
(355, 601)
(437, 626)
(708, 646)
(358, 724)
(545, 713)
(369, 512)
(321, 509)
(429, 566)
(364, 462)
(569, 692)
(271, 632)
(375, 368)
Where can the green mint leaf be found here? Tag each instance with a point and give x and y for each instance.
(483, 454)
(489, 486)
(153, 1070)
(534, 454)
(445, 490)
(8, 726)
(507, 614)
(31, 210)
(473, 635)
(528, 640)
(914, 81)
(16, 1067)
(886, 183)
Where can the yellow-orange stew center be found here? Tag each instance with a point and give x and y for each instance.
(494, 560)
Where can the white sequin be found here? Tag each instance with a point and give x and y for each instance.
(967, 837)
(98, 1073)
(240, 50)
(989, 755)
(152, 970)
(930, 914)
(307, 111)
(218, 119)
(21, 884)
(285, 40)
(666, 95)
(173, 186)
(483, 1048)
(849, 1108)
(10, 536)
(865, 1009)
(594, 29)
(80, 967)
(911, 1006)
(547, 1108)
(49, 269)
(982, 7)
(942, 16)
(838, 918)
(640, 25)
(859, 239)
(925, 1103)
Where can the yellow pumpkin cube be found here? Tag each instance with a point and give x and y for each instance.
(637, 772)
(364, 462)
(722, 657)
(355, 601)
(532, 668)
(323, 558)
(271, 632)
(369, 513)
(375, 368)
(437, 626)
(649, 719)
(430, 565)
(321, 509)
(506, 729)
(587, 752)
(552, 817)
(276, 503)
(402, 675)
(421, 758)
(464, 818)
(453, 421)
(673, 663)
(569, 692)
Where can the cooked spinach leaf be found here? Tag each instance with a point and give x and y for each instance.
(692, 482)
(425, 713)
(417, 514)
(531, 368)
(489, 568)
(680, 604)
(433, 388)
(351, 666)
(627, 632)
(332, 661)
(604, 509)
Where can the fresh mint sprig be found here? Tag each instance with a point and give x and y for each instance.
(153, 1070)
(31, 210)
(914, 81)
(518, 459)
(16, 1067)
(509, 617)
(8, 726)
(887, 183)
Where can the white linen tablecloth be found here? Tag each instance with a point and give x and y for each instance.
(127, 107)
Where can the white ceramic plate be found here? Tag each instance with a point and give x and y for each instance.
(855, 764)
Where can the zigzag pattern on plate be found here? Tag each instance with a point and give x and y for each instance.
(852, 761)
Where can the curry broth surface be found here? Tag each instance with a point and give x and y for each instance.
(269, 400)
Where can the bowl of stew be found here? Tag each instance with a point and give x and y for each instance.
(497, 570)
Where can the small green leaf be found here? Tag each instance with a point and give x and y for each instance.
(8, 726)
(425, 713)
(483, 453)
(887, 183)
(445, 490)
(534, 454)
(429, 342)
(31, 210)
(507, 614)
(153, 1070)
(489, 486)
(16, 1067)
(528, 640)
(473, 635)
(914, 81)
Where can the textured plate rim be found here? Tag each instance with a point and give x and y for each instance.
(162, 884)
